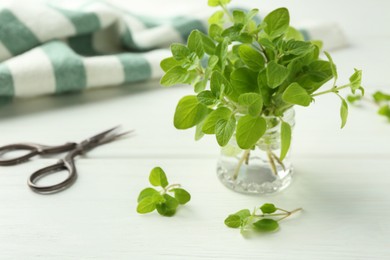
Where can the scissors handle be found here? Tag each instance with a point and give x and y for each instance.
(64, 164)
(33, 149)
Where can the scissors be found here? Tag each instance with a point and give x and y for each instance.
(67, 163)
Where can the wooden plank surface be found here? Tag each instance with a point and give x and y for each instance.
(346, 212)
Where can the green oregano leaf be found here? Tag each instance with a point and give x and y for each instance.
(253, 101)
(298, 48)
(189, 112)
(215, 32)
(354, 98)
(379, 96)
(384, 110)
(249, 131)
(213, 60)
(158, 198)
(200, 86)
(198, 131)
(219, 82)
(243, 214)
(146, 205)
(207, 98)
(195, 43)
(297, 95)
(167, 208)
(244, 80)
(233, 221)
(268, 208)
(251, 57)
(294, 34)
(217, 18)
(213, 117)
(157, 177)
(277, 22)
(343, 112)
(239, 16)
(318, 43)
(169, 63)
(356, 80)
(179, 51)
(213, 3)
(221, 52)
(276, 74)
(224, 130)
(233, 32)
(285, 139)
(208, 44)
(224, 2)
(175, 75)
(181, 195)
(148, 192)
(266, 225)
(262, 84)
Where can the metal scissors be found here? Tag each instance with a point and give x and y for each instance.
(67, 163)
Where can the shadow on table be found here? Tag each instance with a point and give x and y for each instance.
(26, 106)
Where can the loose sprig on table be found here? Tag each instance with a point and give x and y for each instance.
(150, 199)
(255, 69)
(268, 221)
(379, 99)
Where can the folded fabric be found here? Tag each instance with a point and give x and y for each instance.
(46, 48)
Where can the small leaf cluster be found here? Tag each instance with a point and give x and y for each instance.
(150, 199)
(246, 72)
(379, 98)
(267, 221)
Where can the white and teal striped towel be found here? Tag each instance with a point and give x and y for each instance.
(47, 49)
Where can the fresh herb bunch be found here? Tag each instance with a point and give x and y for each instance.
(266, 222)
(380, 99)
(150, 199)
(255, 69)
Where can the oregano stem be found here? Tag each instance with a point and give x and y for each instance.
(270, 215)
(231, 18)
(295, 210)
(272, 162)
(267, 221)
(285, 213)
(283, 210)
(332, 90)
(265, 54)
(278, 160)
(289, 213)
(170, 187)
(240, 162)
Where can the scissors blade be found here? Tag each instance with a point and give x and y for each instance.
(101, 135)
(102, 138)
(112, 137)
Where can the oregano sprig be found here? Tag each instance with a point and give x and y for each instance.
(150, 199)
(255, 70)
(262, 219)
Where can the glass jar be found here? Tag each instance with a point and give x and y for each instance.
(258, 170)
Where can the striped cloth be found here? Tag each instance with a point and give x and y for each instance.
(50, 49)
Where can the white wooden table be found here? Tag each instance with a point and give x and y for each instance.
(342, 176)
